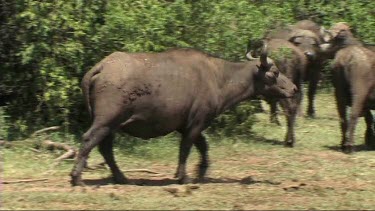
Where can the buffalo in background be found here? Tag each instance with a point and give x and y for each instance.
(353, 69)
(298, 56)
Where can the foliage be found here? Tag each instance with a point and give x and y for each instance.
(47, 46)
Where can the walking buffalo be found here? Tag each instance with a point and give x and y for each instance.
(148, 95)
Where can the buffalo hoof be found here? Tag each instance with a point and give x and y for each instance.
(120, 179)
(289, 144)
(184, 180)
(348, 149)
(76, 182)
(199, 180)
(311, 116)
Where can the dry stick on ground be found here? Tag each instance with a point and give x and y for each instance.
(25, 180)
(129, 170)
(45, 129)
(143, 170)
(70, 151)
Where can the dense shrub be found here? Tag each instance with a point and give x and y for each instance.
(47, 46)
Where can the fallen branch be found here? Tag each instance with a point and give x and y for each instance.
(142, 170)
(45, 129)
(23, 181)
(102, 165)
(71, 152)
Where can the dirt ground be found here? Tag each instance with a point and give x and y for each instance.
(253, 173)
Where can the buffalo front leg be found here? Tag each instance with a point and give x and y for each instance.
(313, 78)
(313, 84)
(90, 139)
(291, 108)
(202, 146)
(273, 111)
(106, 150)
(369, 135)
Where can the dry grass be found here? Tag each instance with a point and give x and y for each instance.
(252, 173)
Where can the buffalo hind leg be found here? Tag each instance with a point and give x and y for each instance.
(202, 147)
(341, 104)
(90, 139)
(106, 150)
(187, 140)
(357, 106)
(369, 135)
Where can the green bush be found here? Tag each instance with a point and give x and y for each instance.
(47, 46)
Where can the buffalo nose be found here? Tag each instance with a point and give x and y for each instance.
(309, 54)
(295, 89)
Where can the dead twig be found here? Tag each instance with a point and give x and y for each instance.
(44, 130)
(71, 152)
(142, 170)
(24, 181)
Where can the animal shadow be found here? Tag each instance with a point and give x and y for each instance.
(357, 148)
(261, 139)
(168, 181)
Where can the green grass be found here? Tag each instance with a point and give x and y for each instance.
(313, 175)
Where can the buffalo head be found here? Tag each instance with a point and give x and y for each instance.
(274, 83)
(307, 41)
(340, 37)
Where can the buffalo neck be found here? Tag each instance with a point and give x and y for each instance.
(236, 84)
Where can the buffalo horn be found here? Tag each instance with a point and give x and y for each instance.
(250, 57)
(263, 56)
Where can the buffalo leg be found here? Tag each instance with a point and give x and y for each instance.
(273, 110)
(202, 146)
(291, 120)
(188, 138)
(90, 139)
(369, 135)
(341, 109)
(313, 84)
(291, 107)
(314, 77)
(358, 101)
(106, 150)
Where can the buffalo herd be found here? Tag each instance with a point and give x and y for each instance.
(148, 95)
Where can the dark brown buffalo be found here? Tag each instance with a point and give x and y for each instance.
(308, 36)
(291, 61)
(148, 95)
(354, 81)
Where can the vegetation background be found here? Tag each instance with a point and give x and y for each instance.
(47, 46)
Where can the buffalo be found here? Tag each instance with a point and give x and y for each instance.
(291, 61)
(354, 81)
(149, 95)
(308, 36)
